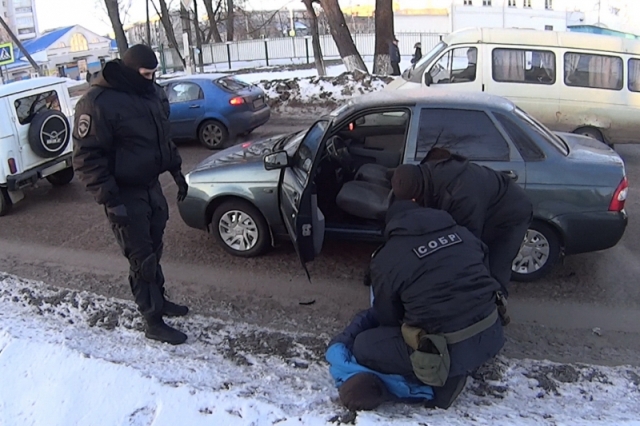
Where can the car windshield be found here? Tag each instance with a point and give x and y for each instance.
(550, 137)
(426, 59)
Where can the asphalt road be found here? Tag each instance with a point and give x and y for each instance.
(59, 235)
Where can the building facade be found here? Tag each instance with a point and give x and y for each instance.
(21, 17)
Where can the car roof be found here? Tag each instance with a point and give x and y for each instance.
(196, 77)
(29, 84)
(426, 96)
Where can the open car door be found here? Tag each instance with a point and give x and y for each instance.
(298, 197)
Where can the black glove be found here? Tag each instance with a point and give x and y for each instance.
(183, 188)
(117, 214)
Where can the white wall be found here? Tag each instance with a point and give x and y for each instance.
(421, 24)
(511, 17)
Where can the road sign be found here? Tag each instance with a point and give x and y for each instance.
(6, 54)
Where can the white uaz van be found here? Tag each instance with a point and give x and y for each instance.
(572, 82)
(35, 136)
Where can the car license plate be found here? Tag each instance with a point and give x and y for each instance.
(52, 169)
(258, 103)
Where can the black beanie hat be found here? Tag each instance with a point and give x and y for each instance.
(364, 391)
(140, 56)
(407, 182)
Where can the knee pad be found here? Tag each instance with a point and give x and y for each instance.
(148, 268)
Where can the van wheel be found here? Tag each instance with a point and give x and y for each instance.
(539, 252)
(5, 202)
(591, 132)
(240, 228)
(61, 178)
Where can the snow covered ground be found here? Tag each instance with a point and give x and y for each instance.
(77, 358)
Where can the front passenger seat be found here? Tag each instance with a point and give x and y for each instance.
(364, 199)
(374, 173)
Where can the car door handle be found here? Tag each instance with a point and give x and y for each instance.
(194, 106)
(513, 175)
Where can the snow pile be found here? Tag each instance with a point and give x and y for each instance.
(78, 358)
(317, 95)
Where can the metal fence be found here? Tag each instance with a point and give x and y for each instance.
(292, 48)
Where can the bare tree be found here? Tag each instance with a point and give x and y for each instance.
(230, 20)
(342, 36)
(165, 18)
(384, 35)
(113, 10)
(315, 38)
(214, 15)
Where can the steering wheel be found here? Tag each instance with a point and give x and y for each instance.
(338, 151)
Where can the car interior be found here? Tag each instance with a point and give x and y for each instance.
(353, 180)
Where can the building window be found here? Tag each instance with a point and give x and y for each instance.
(79, 43)
(526, 3)
(23, 31)
(24, 10)
(468, 2)
(486, 2)
(594, 71)
(548, 4)
(512, 3)
(523, 66)
(548, 27)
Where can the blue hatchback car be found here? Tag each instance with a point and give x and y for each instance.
(214, 108)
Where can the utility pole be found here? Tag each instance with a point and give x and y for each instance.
(33, 63)
(148, 27)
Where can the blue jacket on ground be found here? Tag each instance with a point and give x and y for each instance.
(343, 364)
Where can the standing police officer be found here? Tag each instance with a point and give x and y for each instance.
(121, 146)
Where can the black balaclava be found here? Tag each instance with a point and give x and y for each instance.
(407, 182)
(136, 57)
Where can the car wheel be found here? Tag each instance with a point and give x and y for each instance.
(240, 229)
(212, 134)
(62, 177)
(5, 202)
(538, 254)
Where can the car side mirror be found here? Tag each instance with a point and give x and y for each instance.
(276, 160)
(428, 79)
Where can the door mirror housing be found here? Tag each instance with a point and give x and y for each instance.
(276, 160)
(428, 79)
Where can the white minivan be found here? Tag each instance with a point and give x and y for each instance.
(572, 82)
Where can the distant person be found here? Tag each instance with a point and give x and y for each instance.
(121, 147)
(394, 57)
(417, 54)
(488, 203)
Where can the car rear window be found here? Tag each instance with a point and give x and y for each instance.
(528, 148)
(29, 106)
(232, 84)
(548, 136)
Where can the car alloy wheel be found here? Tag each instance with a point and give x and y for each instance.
(238, 230)
(538, 253)
(212, 134)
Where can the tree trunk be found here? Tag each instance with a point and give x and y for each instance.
(213, 21)
(113, 10)
(384, 36)
(230, 20)
(315, 39)
(342, 36)
(165, 18)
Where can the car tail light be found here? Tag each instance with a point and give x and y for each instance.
(237, 101)
(620, 196)
(12, 166)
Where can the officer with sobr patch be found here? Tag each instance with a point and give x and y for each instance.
(121, 147)
(433, 319)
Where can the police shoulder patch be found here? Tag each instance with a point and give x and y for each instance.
(84, 125)
(436, 244)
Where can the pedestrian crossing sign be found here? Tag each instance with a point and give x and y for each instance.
(6, 54)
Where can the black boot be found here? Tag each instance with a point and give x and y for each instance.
(171, 309)
(158, 330)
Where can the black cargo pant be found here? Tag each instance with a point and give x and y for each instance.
(383, 349)
(141, 243)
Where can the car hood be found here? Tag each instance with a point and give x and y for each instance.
(239, 163)
(586, 149)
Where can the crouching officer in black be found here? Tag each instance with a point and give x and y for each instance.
(434, 300)
(121, 146)
(488, 203)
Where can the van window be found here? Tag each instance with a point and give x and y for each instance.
(464, 132)
(634, 75)
(28, 107)
(456, 66)
(523, 66)
(594, 71)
